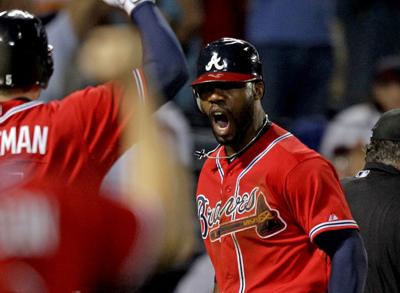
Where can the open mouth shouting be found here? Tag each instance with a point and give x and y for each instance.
(221, 124)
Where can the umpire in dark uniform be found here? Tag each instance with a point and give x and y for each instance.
(374, 199)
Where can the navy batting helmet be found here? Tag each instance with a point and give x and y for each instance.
(228, 60)
(25, 56)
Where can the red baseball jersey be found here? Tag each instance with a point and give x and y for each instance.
(260, 213)
(77, 138)
(57, 241)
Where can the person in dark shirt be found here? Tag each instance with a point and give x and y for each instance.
(374, 199)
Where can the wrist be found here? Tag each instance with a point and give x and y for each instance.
(131, 5)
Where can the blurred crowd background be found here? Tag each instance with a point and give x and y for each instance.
(330, 67)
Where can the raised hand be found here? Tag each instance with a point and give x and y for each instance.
(127, 5)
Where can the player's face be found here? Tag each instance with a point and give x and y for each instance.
(230, 108)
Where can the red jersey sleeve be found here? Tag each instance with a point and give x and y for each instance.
(100, 117)
(316, 199)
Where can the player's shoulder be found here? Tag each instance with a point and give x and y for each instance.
(94, 91)
(287, 147)
(290, 156)
(28, 111)
(88, 97)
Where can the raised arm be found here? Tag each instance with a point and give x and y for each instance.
(164, 62)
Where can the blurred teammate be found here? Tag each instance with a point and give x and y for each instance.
(79, 137)
(74, 140)
(58, 240)
(374, 199)
(273, 215)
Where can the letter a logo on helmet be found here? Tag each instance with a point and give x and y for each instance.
(228, 60)
(215, 60)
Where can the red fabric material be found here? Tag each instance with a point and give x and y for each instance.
(77, 138)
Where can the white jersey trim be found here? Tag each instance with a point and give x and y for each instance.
(239, 256)
(333, 224)
(220, 170)
(139, 84)
(18, 109)
(256, 159)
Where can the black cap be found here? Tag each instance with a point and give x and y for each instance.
(227, 60)
(388, 126)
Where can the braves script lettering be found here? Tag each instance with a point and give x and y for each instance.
(264, 220)
(210, 216)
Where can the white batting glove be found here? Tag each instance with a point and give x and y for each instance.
(128, 5)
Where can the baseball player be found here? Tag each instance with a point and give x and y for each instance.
(79, 137)
(272, 213)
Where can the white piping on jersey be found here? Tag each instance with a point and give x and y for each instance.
(239, 254)
(220, 170)
(331, 224)
(18, 109)
(239, 257)
(254, 161)
(140, 85)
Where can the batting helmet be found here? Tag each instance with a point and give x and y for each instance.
(228, 60)
(26, 57)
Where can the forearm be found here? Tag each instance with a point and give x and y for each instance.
(164, 62)
(348, 267)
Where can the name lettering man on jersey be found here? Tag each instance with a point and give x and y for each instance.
(272, 213)
(78, 137)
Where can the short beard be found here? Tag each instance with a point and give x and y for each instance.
(243, 123)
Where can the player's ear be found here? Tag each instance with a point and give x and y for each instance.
(197, 98)
(259, 89)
